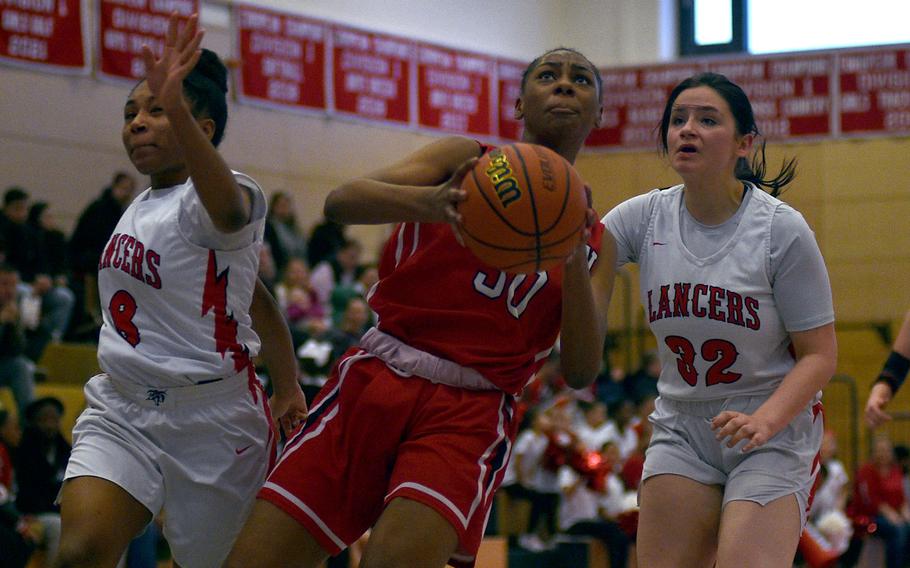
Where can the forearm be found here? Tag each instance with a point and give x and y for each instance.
(215, 185)
(902, 343)
(277, 348)
(583, 330)
(896, 366)
(810, 375)
(366, 201)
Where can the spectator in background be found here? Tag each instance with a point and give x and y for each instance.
(51, 242)
(13, 228)
(41, 463)
(610, 385)
(828, 513)
(282, 233)
(879, 495)
(321, 345)
(16, 371)
(590, 506)
(595, 429)
(93, 229)
(539, 484)
(17, 532)
(633, 466)
(341, 295)
(902, 455)
(50, 245)
(341, 270)
(24, 254)
(326, 239)
(354, 322)
(643, 382)
(297, 299)
(623, 414)
(268, 273)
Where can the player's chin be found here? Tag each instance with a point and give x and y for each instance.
(144, 165)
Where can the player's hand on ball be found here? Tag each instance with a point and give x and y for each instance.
(448, 195)
(875, 407)
(581, 251)
(738, 427)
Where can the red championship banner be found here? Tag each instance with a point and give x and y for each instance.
(43, 34)
(372, 75)
(875, 91)
(124, 26)
(633, 101)
(283, 59)
(791, 96)
(454, 90)
(508, 79)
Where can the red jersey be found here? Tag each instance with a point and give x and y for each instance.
(436, 296)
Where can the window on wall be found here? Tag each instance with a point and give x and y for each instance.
(799, 25)
(711, 26)
(774, 26)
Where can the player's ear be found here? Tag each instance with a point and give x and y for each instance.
(519, 112)
(208, 126)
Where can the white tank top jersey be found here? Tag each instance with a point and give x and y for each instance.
(719, 327)
(176, 293)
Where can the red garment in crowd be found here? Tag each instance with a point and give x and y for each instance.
(6, 468)
(873, 489)
(632, 471)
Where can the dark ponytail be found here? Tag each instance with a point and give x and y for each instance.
(206, 89)
(754, 172)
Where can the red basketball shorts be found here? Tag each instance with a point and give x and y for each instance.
(374, 435)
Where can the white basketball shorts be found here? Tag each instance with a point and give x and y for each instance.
(683, 443)
(199, 453)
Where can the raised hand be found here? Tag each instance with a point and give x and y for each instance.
(181, 52)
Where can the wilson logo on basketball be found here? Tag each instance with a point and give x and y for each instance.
(525, 208)
(500, 173)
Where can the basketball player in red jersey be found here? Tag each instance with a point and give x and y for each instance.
(412, 433)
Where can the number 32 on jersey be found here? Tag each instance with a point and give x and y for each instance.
(719, 351)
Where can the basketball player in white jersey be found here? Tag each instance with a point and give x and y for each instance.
(178, 421)
(737, 293)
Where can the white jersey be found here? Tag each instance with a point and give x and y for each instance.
(719, 327)
(176, 293)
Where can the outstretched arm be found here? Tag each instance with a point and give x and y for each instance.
(227, 204)
(424, 187)
(287, 403)
(889, 380)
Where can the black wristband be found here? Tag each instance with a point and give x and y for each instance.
(895, 371)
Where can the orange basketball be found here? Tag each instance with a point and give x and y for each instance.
(524, 210)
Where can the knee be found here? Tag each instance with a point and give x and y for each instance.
(84, 553)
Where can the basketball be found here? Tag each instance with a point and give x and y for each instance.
(524, 210)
